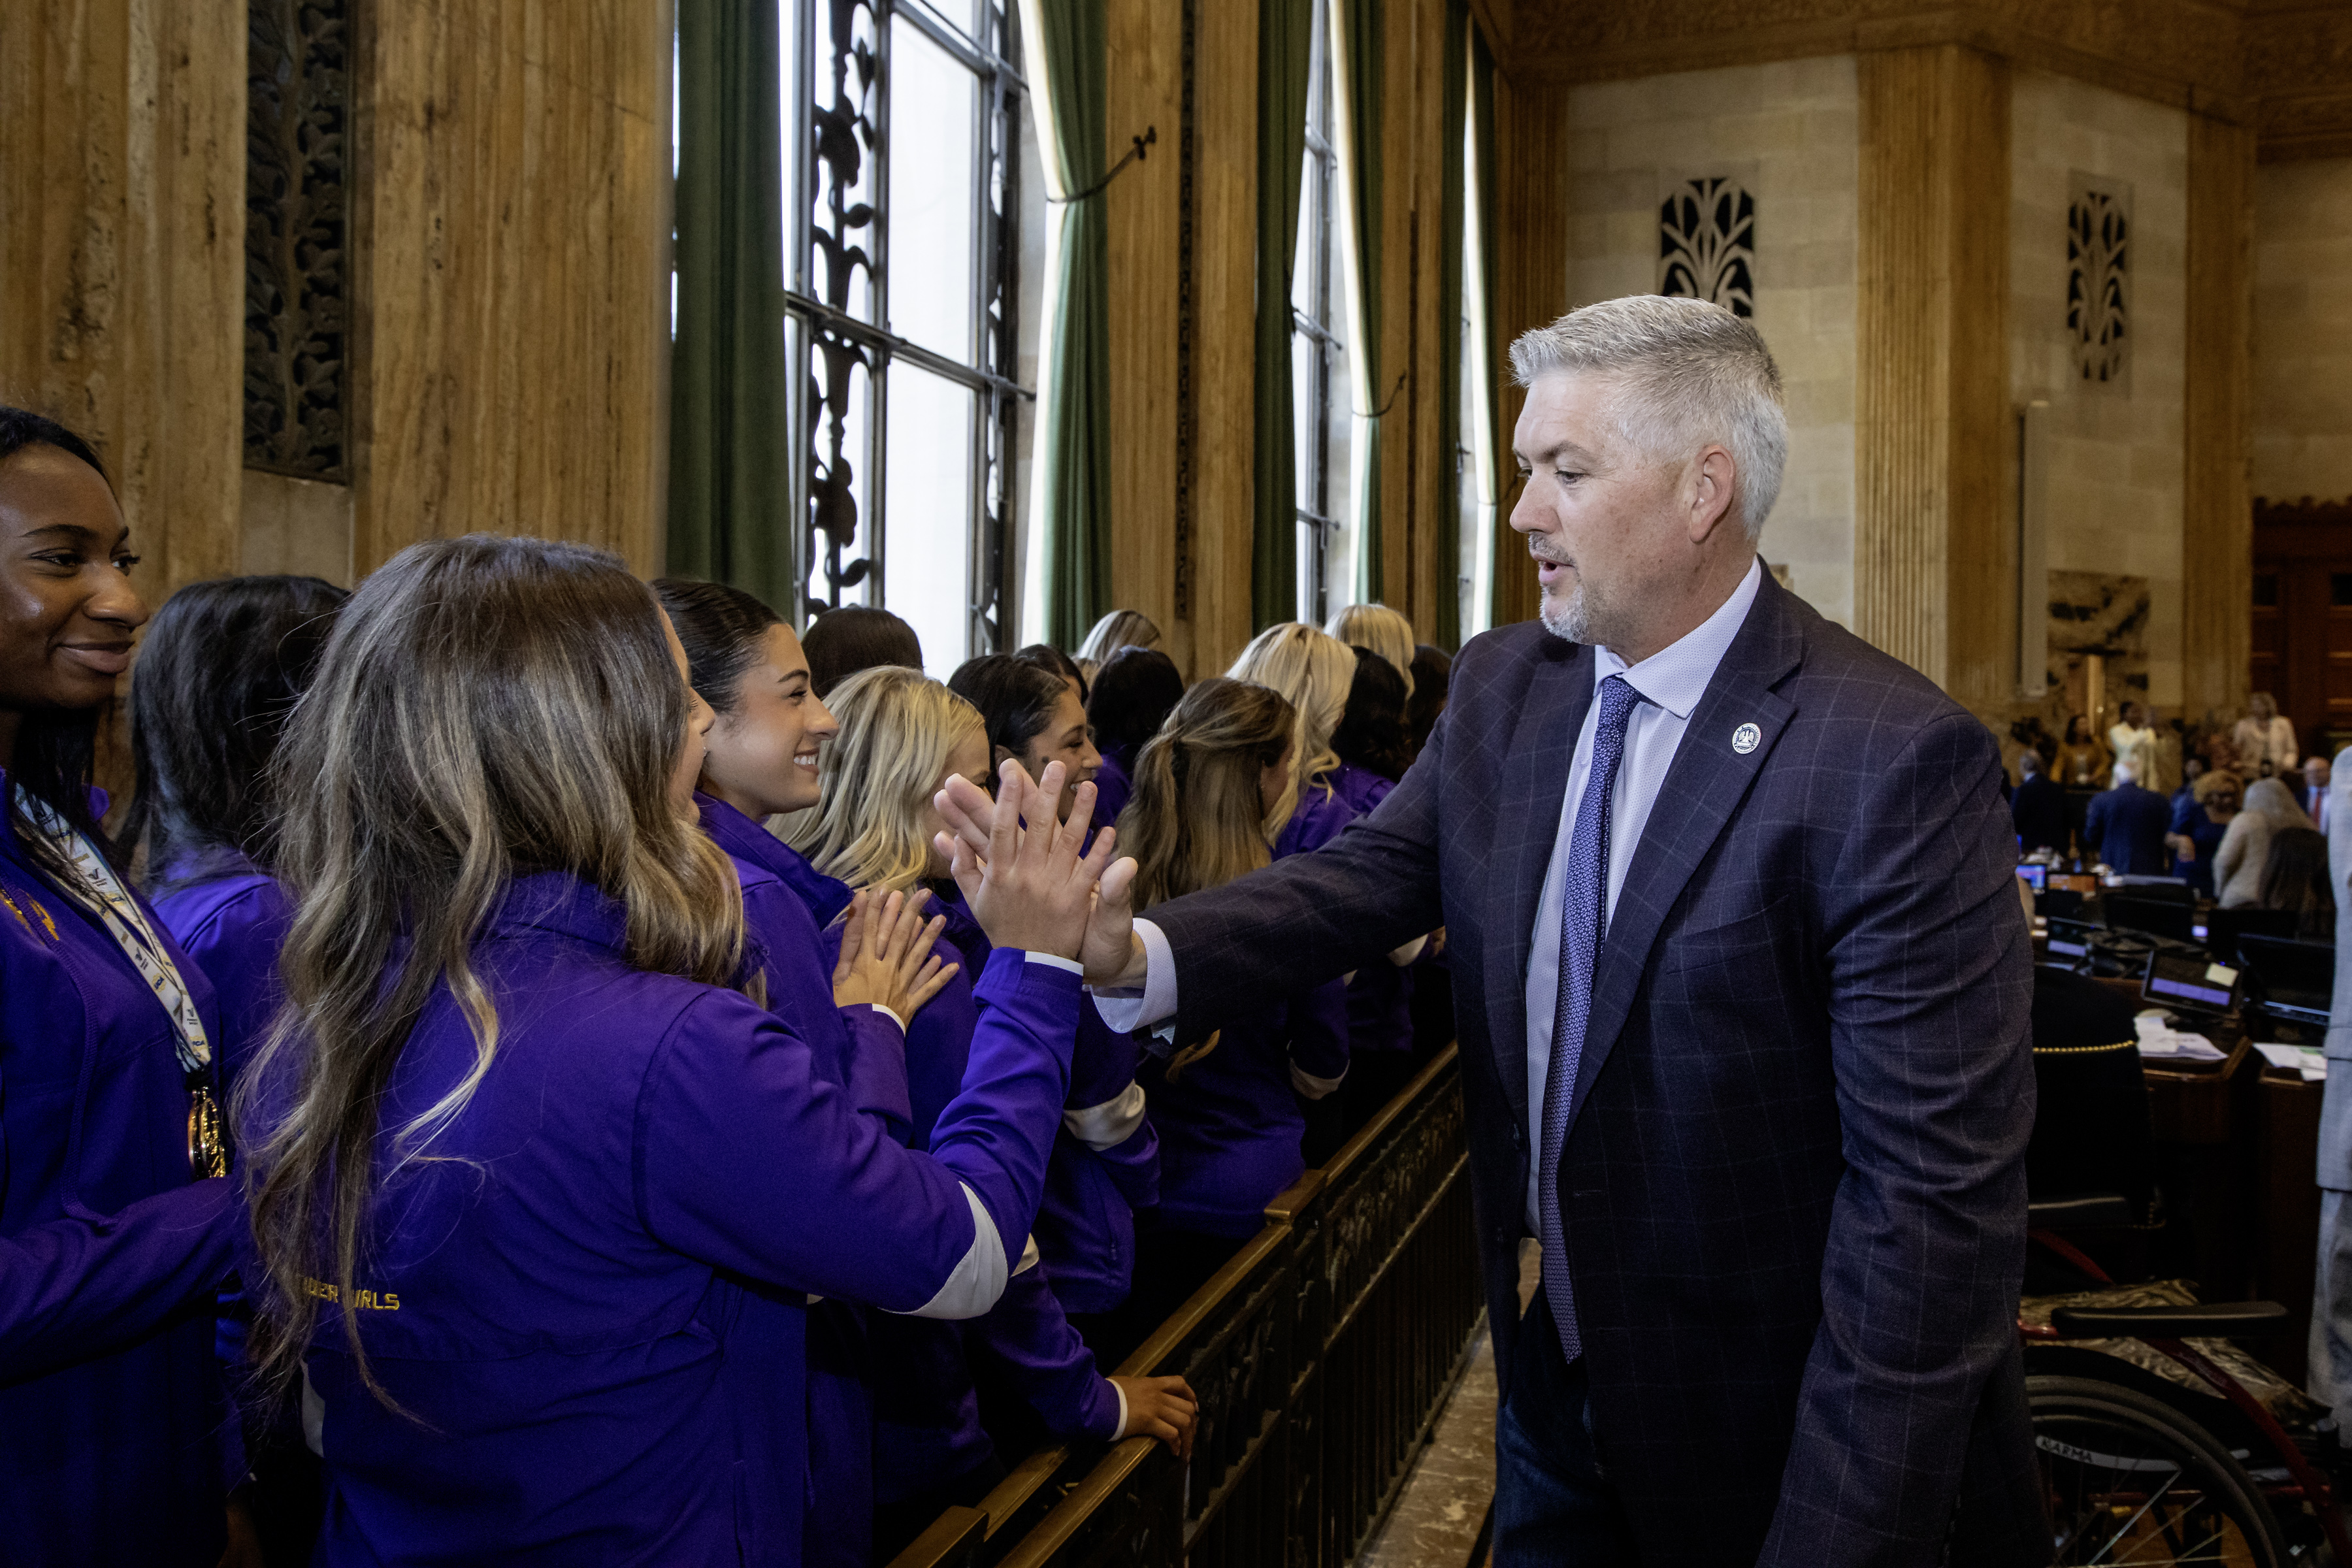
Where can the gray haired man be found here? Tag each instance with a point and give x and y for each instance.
(1742, 988)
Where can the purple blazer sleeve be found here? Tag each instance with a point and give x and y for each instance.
(876, 1070)
(734, 1131)
(71, 1290)
(1026, 1334)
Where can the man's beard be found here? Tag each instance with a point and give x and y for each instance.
(1571, 621)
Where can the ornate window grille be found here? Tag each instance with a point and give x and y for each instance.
(1317, 351)
(297, 224)
(2098, 279)
(1706, 243)
(902, 158)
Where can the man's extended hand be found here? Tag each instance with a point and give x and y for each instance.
(1112, 954)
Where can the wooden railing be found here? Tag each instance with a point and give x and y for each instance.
(1321, 1352)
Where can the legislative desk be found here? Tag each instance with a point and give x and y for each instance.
(2236, 1148)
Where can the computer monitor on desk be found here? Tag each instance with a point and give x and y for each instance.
(2296, 980)
(2224, 927)
(2157, 916)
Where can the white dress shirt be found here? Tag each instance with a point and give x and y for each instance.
(1672, 681)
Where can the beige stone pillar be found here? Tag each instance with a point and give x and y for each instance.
(2216, 532)
(1933, 540)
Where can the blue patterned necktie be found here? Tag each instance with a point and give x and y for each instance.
(1584, 925)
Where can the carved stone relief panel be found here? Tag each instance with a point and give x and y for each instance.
(2098, 278)
(1707, 240)
(297, 228)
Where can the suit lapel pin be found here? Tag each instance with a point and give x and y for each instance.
(1746, 738)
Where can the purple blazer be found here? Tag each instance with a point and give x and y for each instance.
(1114, 785)
(232, 917)
(928, 1428)
(1106, 1166)
(780, 893)
(586, 1297)
(862, 1049)
(119, 1440)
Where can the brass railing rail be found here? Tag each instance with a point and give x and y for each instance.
(1321, 1352)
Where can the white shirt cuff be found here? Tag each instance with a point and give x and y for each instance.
(890, 1015)
(1109, 1124)
(977, 1281)
(1056, 961)
(1121, 1394)
(1314, 1087)
(1158, 1002)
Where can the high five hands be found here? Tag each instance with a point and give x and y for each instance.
(1021, 870)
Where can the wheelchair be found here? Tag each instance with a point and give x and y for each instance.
(2139, 1469)
(2157, 1440)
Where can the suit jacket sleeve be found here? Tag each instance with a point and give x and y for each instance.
(1248, 945)
(1929, 989)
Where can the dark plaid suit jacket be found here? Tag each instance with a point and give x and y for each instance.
(1794, 1180)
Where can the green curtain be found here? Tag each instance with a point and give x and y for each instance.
(1453, 104)
(1285, 43)
(1482, 129)
(728, 509)
(1358, 79)
(1076, 423)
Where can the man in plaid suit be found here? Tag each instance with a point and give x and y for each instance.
(1743, 988)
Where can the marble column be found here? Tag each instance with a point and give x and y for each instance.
(2217, 501)
(1933, 538)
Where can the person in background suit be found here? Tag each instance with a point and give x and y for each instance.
(1744, 1005)
(2126, 823)
(2316, 773)
(2329, 1379)
(2037, 809)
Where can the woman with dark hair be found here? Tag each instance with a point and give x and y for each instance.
(1133, 692)
(902, 736)
(760, 761)
(1226, 1105)
(115, 1226)
(1371, 739)
(1045, 656)
(2294, 879)
(1370, 742)
(1432, 673)
(1034, 715)
(539, 1190)
(219, 671)
(842, 642)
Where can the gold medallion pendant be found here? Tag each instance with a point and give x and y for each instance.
(208, 1138)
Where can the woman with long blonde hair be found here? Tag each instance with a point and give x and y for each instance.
(902, 736)
(1312, 672)
(1226, 1107)
(537, 1194)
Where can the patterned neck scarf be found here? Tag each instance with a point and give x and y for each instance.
(97, 887)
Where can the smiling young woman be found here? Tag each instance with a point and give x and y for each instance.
(115, 1228)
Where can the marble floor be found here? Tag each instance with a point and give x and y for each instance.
(1437, 1519)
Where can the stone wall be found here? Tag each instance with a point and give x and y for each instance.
(2303, 329)
(2115, 486)
(1788, 132)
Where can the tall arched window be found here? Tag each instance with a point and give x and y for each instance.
(906, 131)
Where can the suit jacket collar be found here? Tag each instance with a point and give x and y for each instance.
(1536, 761)
(1710, 775)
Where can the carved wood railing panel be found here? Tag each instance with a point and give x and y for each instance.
(1321, 1353)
